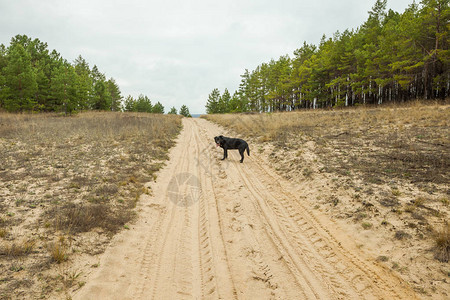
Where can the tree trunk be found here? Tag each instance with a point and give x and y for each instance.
(380, 94)
(448, 85)
(363, 95)
(425, 81)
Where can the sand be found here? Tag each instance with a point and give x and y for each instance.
(225, 230)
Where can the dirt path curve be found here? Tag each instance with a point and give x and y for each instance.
(224, 230)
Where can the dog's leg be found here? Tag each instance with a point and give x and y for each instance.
(225, 153)
(241, 152)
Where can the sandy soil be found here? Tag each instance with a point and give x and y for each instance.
(224, 230)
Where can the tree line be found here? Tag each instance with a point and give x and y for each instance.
(34, 79)
(391, 57)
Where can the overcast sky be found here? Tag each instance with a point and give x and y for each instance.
(177, 51)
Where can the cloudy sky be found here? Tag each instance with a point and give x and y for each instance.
(177, 51)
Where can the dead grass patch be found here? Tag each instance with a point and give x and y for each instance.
(17, 249)
(400, 235)
(59, 250)
(77, 218)
(407, 142)
(442, 243)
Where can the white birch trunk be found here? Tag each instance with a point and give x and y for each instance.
(363, 95)
(380, 96)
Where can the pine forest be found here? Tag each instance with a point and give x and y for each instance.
(392, 57)
(34, 79)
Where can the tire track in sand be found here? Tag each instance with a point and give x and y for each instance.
(253, 259)
(365, 277)
(341, 273)
(177, 251)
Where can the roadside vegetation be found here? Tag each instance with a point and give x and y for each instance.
(383, 172)
(67, 185)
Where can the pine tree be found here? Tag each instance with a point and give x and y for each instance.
(173, 111)
(235, 104)
(84, 83)
(435, 17)
(184, 111)
(143, 104)
(43, 72)
(101, 98)
(63, 88)
(158, 108)
(130, 104)
(224, 102)
(43, 67)
(3, 64)
(301, 55)
(116, 97)
(20, 80)
(212, 105)
(244, 89)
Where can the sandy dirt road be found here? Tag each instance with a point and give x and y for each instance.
(224, 230)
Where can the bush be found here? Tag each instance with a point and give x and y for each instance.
(442, 244)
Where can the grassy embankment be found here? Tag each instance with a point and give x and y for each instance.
(389, 168)
(62, 179)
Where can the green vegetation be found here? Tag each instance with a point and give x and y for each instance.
(173, 111)
(142, 104)
(366, 225)
(184, 111)
(34, 79)
(391, 57)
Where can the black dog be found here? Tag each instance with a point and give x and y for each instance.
(229, 143)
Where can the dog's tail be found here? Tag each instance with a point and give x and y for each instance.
(248, 150)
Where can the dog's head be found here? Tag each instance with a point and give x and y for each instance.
(219, 140)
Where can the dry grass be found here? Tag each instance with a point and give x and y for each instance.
(70, 176)
(442, 243)
(17, 249)
(408, 142)
(59, 250)
(75, 218)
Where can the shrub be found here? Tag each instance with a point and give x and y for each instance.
(366, 225)
(59, 250)
(400, 235)
(17, 249)
(442, 244)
